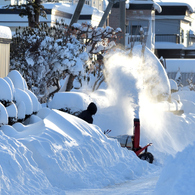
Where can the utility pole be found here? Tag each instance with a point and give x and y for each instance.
(77, 12)
(122, 18)
(105, 15)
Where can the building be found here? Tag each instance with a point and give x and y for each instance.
(64, 12)
(174, 30)
(139, 15)
(5, 39)
(55, 12)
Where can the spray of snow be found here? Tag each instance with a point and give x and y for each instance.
(138, 87)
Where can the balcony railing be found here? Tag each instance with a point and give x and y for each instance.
(173, 38)
(131, 39)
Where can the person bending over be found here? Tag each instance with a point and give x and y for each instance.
(86, 115)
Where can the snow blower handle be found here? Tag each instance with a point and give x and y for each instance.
(107, 131)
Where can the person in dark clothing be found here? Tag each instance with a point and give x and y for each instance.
(86, 115)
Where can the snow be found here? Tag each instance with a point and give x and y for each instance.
(72, 100)
(168, 45)
(7, 95)
(188, 3)
(3, 115)
(17, 79)
(22, 96)
(12, 110)
(156, 5)
(173, 85)
(87, 10)
(185, 65)
(177, 171)
(54, 152)
(5, 32)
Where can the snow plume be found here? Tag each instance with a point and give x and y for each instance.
(120, 100)
(129, 78)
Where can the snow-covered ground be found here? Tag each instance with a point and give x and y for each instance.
(54, 152)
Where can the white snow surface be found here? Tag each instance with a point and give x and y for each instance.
(173, 84)
(70, 8)
(5, 32)
(7, 92)
(184, 65)
(58, 153)
(17, 79)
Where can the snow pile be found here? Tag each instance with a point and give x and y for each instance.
(177, 176)
(19, 172)
(65, 152)
(53, 151)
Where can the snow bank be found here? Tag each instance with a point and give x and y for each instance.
(19, 172)
(177, 177)
(69, 153)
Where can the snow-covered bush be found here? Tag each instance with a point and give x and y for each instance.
(178, 79)
(17, 103)
(3, 115)
(191, 85)
(70, 102)
(46, 55)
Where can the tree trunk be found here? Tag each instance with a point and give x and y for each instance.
(33, 19)
(122, 18)
(70, 82)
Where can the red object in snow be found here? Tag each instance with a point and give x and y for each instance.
(136, 147)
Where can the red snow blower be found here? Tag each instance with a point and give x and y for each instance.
(132, 142)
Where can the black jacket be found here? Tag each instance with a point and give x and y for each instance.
(86, 115)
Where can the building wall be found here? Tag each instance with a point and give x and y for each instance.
(114, 20)
(185, 26)
(4, 59)
(167, 26)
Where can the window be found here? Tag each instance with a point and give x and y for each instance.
(182, 36)
(135, 29)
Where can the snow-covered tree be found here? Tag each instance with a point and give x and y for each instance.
(46, 55)
(32, 9)
(178, 79)
(190, 82)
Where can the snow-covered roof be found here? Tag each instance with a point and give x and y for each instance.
(184, 65)
(157, 7)
(5, 32)
(50, 5)
(168, 45)
(191, 9)
(191, 47)
(70, 8)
